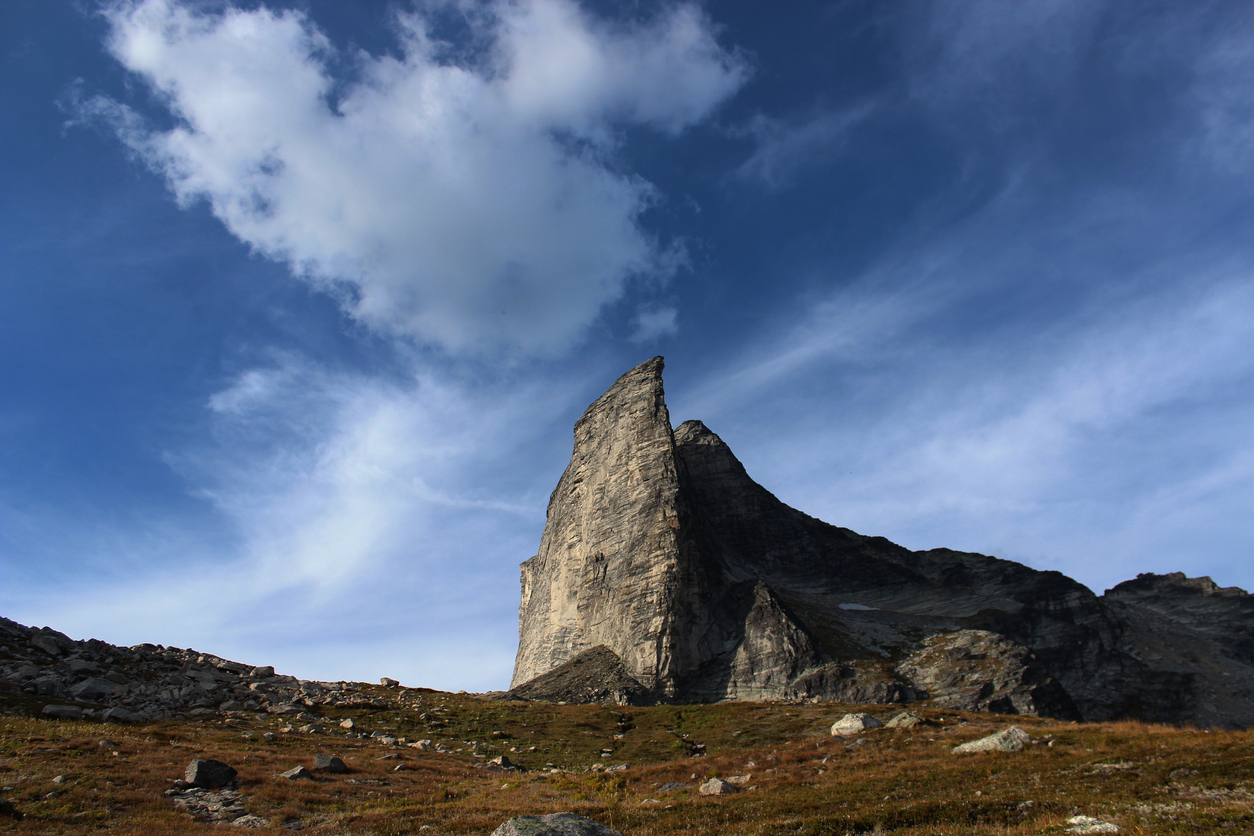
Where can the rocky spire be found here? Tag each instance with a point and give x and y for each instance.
(666, 573)
(614, 556)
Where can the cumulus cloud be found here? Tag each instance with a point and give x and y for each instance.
(469, 202)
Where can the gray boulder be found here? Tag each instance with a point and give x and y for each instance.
(717, 786)
(94, 689)
(854, 724)
(904, 720)
(63, 712)
(207, 773)
(554, 824)
(1010, 740)
(329, 763)
(298, 773)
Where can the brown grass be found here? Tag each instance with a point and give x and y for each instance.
(1147, 779)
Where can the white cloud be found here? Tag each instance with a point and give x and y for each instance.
(785, 149)
(469, 205)
(375, 527)
(652, 323)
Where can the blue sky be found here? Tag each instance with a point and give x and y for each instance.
(299, 300)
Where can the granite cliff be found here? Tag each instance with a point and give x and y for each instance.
(666, 574)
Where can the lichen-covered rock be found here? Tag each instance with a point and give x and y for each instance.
(1009, 740)
(554, 824)
(717, 786)
(854, 724)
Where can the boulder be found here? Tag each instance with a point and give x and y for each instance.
(63, 712)
(554, 824)
(388, 682)
(1009, 740)
(116, 714)
(717, 786)
(903, 720)
(329, 763)
(1087, 824)
(94, 689)
(209, 774)
(854, 724)
(297, 773)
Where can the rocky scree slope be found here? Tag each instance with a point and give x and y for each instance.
(95, 680)
(665, 570)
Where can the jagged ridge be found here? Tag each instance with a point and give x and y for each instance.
(660, 548)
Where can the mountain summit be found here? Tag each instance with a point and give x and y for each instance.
(665, 573)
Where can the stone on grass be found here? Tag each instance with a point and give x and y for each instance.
(348, 724)
(854, 724)
(251, 822)
(207, 773)
(1010, 740)
(717, 786)
(904, 720)
(63, 712)
(1087, 824)
(298, 773)
(7, 809)
(329, 763)
(554, 824)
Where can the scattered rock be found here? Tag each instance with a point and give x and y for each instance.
(1086, 824)
(388, 682)
(1010, 740)
(298, 773)
(554, 824)
(252, 822)
(63, 712)
(904, 720)
(717, 786)
(209, 774)
(210, 806)
(348, 724)
(329, 763)
(854, 724)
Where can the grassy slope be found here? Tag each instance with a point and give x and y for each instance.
(1148, 779)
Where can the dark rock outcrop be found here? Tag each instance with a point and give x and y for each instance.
(662, 553)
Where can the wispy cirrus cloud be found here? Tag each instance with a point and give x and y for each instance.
(786, 149)
(465, 199)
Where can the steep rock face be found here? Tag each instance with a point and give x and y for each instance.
(660, 548)
(617, 566)
(1194, 642)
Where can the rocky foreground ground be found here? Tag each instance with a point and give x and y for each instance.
(153, 740)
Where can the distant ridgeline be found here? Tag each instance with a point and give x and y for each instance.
(666, 574)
